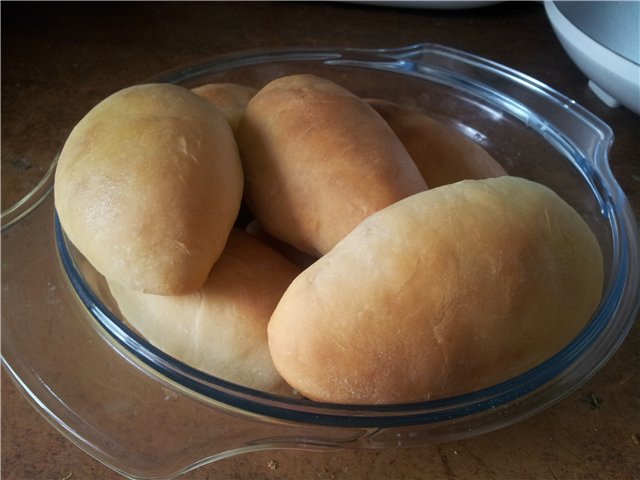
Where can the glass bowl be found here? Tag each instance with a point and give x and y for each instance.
(147, 415)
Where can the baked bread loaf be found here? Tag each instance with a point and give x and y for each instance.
(318, 160)
(230, 98)
(220, 329)
(148, 186)
(442, 154)
(448, 291)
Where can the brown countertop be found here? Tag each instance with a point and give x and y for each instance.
(59, 59)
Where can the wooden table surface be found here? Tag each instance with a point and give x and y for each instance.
(58, 60)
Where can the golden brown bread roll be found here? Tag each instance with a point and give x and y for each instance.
(220, 329)
(148, 186)
(448, 291)
(230, 98)
(442, 154)
(318, 160)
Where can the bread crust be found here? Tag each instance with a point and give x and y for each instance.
(148, 186)
(443, 155)
(230, 98)
(220, 329)
(448, 291)
(318, 160)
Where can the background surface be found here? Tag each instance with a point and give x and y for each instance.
(60, 59)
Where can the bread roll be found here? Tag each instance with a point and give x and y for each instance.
(148, 186)
(222, 328)
(443, 155)
(448, 291)
(318, 160)
(301, 259)
(230, 98)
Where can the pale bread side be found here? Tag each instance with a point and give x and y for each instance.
(221, 328)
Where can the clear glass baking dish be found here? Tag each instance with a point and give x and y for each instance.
(147, 415)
